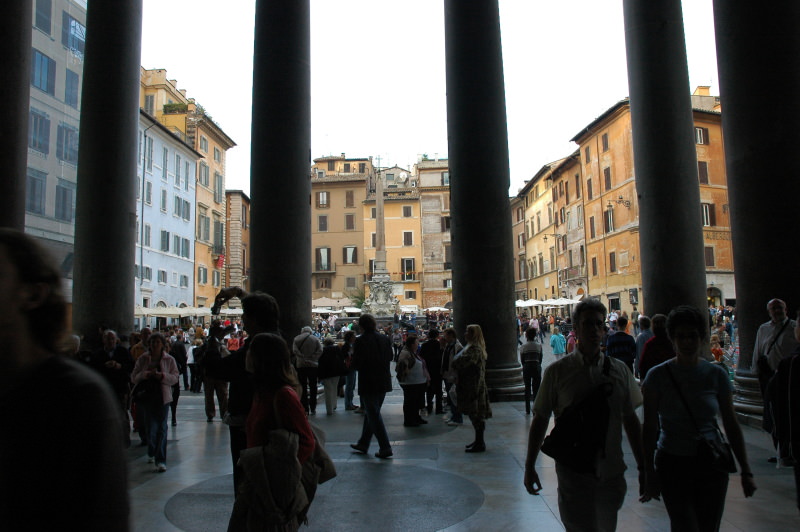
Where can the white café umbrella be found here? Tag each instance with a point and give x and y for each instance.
(352, 310)
(321, 311)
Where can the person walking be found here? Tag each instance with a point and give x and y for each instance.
(682, 399)
(372, 355)
(558, 343)
(330, 368)
(530, 356)
(431, 353)
(473, 395)
(307, 349)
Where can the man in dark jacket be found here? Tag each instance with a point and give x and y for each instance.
(260, 315)
(372, 354)
(431, 353)
(115, 363)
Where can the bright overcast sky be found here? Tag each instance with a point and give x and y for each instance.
(378, 74)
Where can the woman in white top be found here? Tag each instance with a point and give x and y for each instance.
(413, 377)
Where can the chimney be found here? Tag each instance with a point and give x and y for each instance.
(702, 90)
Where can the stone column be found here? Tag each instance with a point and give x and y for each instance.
(280, 186)
(483, 276)
(665, 160)
(757, 51)
(105, 220)
(15, 76)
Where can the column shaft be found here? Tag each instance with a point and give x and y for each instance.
(757, 49)
(281, 142)
(665, 160)
(483, 276)
(105, 221)
(15, 76)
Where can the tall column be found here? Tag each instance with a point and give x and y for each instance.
(757, 49)
(280, 186)
(105, 220)
(665, 160)
(483, 274)
(15, 77)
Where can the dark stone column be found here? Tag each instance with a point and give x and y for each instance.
(280, 187)
(665, 160)
(15, 77)
(105, 220)
(483, 273)
(757, 49)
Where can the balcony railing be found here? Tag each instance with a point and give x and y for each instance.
(573, 272)
(218, 249)
(324, 267)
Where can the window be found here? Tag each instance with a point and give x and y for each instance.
(219, 235)
(39, 131)
(147, 230)
(538, 221)
(592, 233)
(408, 238)
(349, 222)
(322, 223)
(331, 166)
(587, 155)
(374, 241)
(580, 215)
(569, 220)
(187, 176)
(702, 172)
(389, 177)
(349, 199)
(71, 92)
(73, 35)
(594, 266)
(164, 240)
(709, 256)
(202, 275)
(701, 135)
(35, 190)
(203, 177)
(162, 276)
(350, 282)
(323, 199)
(521, 240)
(445, 179)
(203, 144)
(604, 141)
(374, 213)
(407, 269)
(163, 200)
(607, 177)
(346, 168)
(521, 269)
(406, 211)
(44, 8)
(150, 104)
(149, 153)
(560, 219)
(448, 257)
(612, 261)
(323, 256)
(549, 214)
(566, 191)
(577, 185)
(589, 193)
(187, 211)
(67, 144)
(178, 171)
(184, 281)
(217, 155)
(350, 255)
(216, 278)
(709, 214)
(447, 283)
(178, 208)
(148, 192)
(609, 220)
(323, 282)
(410, 294)
(147, 273)
(43, 72)
(203, 225)
(219, 188)
(65, 201)
(164, 163)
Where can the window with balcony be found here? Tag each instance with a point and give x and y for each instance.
(323, 256)
(407, 269)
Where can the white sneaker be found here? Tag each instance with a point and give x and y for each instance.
(161, 467)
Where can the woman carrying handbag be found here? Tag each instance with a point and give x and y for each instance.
(687, 458)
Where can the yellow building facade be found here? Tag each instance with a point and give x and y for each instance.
(433, 179)
(237, 241)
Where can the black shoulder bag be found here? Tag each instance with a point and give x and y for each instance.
(717, 452)
(578, 439)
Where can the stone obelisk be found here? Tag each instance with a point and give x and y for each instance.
(381, 300)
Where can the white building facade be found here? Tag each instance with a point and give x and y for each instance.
(165, 201)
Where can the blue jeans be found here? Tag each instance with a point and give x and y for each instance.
(373, 422)
(156, 420)
(455, 415)
(349, 388)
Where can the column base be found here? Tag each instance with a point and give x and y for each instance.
(747, 398)
(505, 384)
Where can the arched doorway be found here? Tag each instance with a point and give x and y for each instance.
(713, 296)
